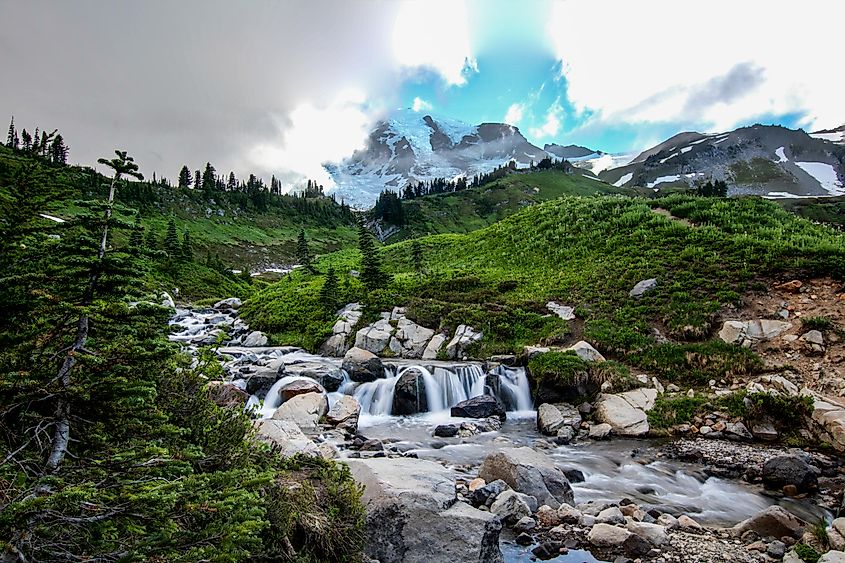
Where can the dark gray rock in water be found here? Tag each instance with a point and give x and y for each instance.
(789, 470)
(446, 431)
(524, 539)
(409, 394)
(260, 383)
(483, 406)
(484, 496)
(362, 366)
(573, 475)
(636, 546)
(548, 549)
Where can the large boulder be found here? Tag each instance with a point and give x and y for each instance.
(375, 337)
(410, 339)
(586, 352)
(413, 516)
(510, 506)
(773, 521)
(362, 365)
(255, 339)
(304, 410)
(433, 347)
(553, 417)
(626, 412)
(527, 471)
(789, 470)
(300, 387)
(348, 317)
(607, 535)
(464, 337)
(260, 382)
(483, 406)
(409, 394)
(747, 333)
(227, 395)
(329, 376)
(344, 414)
(287, 436)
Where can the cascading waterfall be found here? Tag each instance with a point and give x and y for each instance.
(274, 395)
(445, 387)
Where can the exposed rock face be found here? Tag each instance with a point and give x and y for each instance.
(300, 387)
(255, 339)
(789, 470)
(529, 472)
(287, 436)
(409, 394)
(642, 288)
(563, 311)
(304, 410)
(375, 337)
(829, 419)
(362, 365)
(412, 515)
(433, 347)
(410, 339)
(232, 303)
(813, 341)
(586, 352)
(551, 418)
(348, 317)
(747, 333)
(626, 412)
(464, 337)
(344, 414)
(483, 406)
(773, 521)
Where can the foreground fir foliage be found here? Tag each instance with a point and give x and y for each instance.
(148, 467)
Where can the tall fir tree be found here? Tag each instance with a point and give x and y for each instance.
(197, 180)
(10, 139)
(303, 254)
(372, 275)
(58, 150)
(329, 292)
(185, 177)
(171, 241)
(417, 256)
(187, 247)
(209, 178)
(136, 239)
(26, 140)
(150, 239)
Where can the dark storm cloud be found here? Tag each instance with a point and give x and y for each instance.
(735, 84)
(186, 81)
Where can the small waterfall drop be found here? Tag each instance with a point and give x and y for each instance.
(514, 389)
(274, 395)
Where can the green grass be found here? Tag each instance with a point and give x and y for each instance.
(587, 252)
(816, 323)
(756, 171)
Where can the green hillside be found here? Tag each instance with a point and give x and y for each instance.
(584, 251)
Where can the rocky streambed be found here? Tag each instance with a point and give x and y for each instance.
(458, 465)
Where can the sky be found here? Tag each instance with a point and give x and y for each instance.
(281, 86)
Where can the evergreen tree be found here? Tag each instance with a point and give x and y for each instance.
(417, 256)
(197, 180)
(209, 178)
(136, 239)
(371, 273)
(10, 139)
(27, 140)
(187, 248)
(184, 177)
(303, 255)
(232, 183)
(150, 239)
(171, 241)
(329, 292)
(58, 150)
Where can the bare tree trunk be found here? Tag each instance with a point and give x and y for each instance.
(61, 434)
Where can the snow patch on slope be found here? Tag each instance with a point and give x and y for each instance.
(623, 180)
(781, 155)
(825, 174)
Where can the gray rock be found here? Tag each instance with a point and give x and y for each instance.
(255, 339)
(607, 535)
(412, 516)
(774, 521)
(362, 365)
(642, 288)
(551, 418)
(228, 304)
(625, 412)
(344, 414)
(375, 337)
(433, 347)
(484, 496)
(446, 430)
(789, 470)
(411, 338)
(510, 507)
(525, 524)
(409, 393)
(483, 406)
(654, 533)
(764, 430)
(737, 431)
(586, 352)
(563, 311)
(776, 549)
(527, 471)
(610, 515)
(600, 431)
(327, 375)
(465, 336)
(304, 410)
(287, 436)
(833, 557)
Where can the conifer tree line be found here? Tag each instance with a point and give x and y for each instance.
(49, 146)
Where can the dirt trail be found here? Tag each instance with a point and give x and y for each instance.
(668, 214)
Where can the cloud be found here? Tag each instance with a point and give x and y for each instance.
(767, 58)
(311, 135)
(514, 114)
(435, 35)
(551, 125)
(421, 105)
